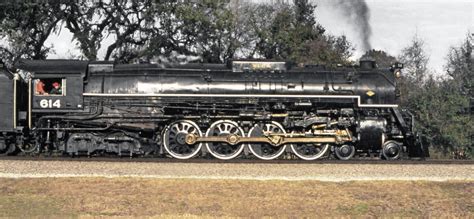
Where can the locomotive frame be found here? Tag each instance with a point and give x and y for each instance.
(262, 109)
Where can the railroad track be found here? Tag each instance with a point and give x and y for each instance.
(238, 161)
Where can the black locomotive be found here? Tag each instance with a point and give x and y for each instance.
(262, 109)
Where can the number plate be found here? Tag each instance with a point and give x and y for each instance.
(45, 103)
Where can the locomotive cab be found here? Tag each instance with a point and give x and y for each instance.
(61, 92)
(56, 85)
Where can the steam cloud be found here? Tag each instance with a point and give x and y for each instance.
(358, 12)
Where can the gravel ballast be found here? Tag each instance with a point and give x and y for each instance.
(239, 171)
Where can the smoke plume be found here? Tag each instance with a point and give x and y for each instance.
(358, 12)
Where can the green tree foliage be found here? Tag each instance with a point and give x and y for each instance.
(286, 32)
(204, 28)
(310, 42)
(87, 22)
(211, 25)
(290, 32)
(127, 22)
(460, 66)
(415, 70)
(222, 30)
(440, 104)
(415, 61)
(438, 108)
(216, 31)
(25, 26)
(459, 88)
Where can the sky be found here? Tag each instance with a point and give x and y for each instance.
(440, 23)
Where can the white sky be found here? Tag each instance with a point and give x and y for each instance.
(441, 23)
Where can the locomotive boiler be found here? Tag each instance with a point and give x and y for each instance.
(245, 108)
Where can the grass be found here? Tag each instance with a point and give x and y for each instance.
(90, 197)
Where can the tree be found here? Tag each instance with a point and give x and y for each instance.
(285, 31)
(217, 31)
(327, 50)
(415, 70)
(439, 104)
(208, 29)
(460, 66)
(285, 34)
(459, 88)
(91, 22)
(415, 60)
(25, 26)
(437, 111)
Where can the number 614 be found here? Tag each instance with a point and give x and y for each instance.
(50, 104)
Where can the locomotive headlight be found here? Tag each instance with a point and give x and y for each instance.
(398, 73)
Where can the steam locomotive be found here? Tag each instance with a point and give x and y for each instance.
(245, 108)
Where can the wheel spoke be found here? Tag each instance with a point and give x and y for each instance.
(174, 139)
(262, 150)
(224, 151)
(186, 128)
(220, 129)
(227, 127)
(309, 151)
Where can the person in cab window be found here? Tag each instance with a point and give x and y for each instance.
(56, 89)
(40, 87)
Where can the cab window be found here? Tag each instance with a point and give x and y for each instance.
(50, 87)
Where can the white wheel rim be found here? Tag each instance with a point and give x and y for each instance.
(220, 156)
(340, 157)
(279, 153)
(390, 157)
(325, 147)
(166, 140)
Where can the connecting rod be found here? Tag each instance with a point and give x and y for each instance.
(276, 140)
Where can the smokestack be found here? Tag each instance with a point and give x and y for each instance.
(358, 12)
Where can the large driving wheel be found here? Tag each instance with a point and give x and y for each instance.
(174, 139)
(224, 151)
(309, 151)
(266, 151)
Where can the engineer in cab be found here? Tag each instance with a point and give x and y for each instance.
(56, 90)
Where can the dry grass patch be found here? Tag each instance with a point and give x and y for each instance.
(231, 198)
